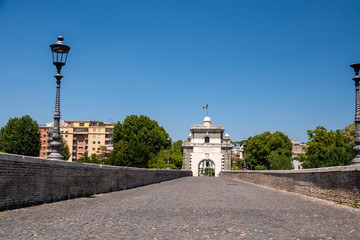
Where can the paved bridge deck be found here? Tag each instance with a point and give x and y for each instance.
(186, 208)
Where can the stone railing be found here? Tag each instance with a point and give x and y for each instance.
(338, 184)
(26, 181)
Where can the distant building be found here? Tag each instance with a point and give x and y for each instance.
(81, 137)
(207, 150)
(297, 150)
(238, 152)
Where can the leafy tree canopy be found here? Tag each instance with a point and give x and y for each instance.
(137, 140)
(259, 148)
(175, 157)
(21, 136)
(279, 161)
(327, 148)
(100, 157)
(142, 130)
(86, 159)
(130, 154)
(64, 149)
(349, 133)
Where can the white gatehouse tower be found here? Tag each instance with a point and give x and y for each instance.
(207, 151)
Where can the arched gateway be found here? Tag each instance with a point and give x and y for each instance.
(207, 152)
(206, 168)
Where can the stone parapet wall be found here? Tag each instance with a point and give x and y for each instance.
(26, 181)
(338, 184)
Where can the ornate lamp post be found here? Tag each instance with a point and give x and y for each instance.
(169, 143)
(244, 142)
(356, 160)
(59, 55)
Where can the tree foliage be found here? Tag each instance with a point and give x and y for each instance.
(279, 161)
(259, 148)
(86, 159)
(21, 136)
(100, 157)
(64, 149)
(142, 130)
(175, 157)
(349, 133)
(140, 142)
(327, 148)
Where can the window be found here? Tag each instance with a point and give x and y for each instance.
(93, 149)
(44, 135)
(99, 136)
(94, 136)
(94, 142)
(81, 140)
(98, 142)
(98, 149)
(81, 124)
(207, 139)
(66, 135)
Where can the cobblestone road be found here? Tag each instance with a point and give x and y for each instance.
(187, 208)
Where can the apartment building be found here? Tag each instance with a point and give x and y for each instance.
(81, 137)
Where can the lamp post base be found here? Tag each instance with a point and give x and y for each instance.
(355, 161)
(55, 156)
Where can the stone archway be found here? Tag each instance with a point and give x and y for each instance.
(206, 167)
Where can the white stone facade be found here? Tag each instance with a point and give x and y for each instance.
(207, 150)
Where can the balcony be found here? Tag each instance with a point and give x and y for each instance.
(81, 130)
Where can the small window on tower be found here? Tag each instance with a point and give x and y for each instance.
(207, 139)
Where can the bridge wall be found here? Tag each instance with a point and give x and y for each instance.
(338, 184)
(26, 181)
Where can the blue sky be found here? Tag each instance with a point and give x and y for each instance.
(259, 65)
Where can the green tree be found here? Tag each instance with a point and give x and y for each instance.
(136, 141)
(1, 133)
(141, 130)
(279, 161)
(259, 148)
(349, 133)
(86, 159)
(21, 136)
(64, 149)
(326, 148)
(120, 155)
(102, 155)
(175, 157)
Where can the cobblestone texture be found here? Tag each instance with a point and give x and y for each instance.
(186, 208)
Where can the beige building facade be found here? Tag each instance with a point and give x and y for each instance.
(80, 136)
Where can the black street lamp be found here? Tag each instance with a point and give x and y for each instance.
(59, 55)
(169, 143)
(356, 160)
